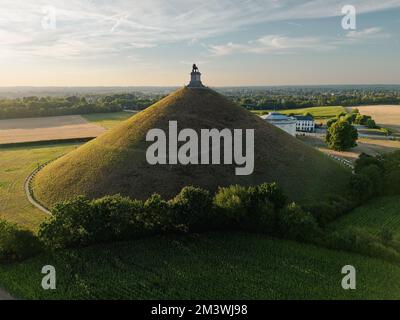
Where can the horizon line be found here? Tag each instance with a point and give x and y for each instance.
(224, 86)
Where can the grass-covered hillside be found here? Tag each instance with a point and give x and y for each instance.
(208, 266)
(374, 216)
(108, 120)
(115, 162)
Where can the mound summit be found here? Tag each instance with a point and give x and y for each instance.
(115, 162)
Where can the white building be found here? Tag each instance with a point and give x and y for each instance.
(281, 121)
(305, 123)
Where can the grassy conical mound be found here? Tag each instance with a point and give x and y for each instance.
(115, 162)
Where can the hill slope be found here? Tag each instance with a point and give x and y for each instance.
(115, 162)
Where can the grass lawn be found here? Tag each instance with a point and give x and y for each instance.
(15, 165)
(209, 266)
(108, 120)
(317, 112)
(373, 216)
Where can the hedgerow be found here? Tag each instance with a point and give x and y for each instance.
(263, 208)
(16, 243)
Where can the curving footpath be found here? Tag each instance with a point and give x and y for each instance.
(28, 190)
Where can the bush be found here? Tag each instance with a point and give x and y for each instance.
(295, 223)
(371, 124)
(156, 214)
(115, 218)
(330, 122)
(269, 192)
(67, 227)
(375, 175)
(232, 203)
(361, 119)
(193, 207)
(386, 235)
(17, 244)
(80, 222)
(330, 209)
(361, 187)
(358, 241)
(253, 208)
(383, 171)
(365, 160)
(349, 117)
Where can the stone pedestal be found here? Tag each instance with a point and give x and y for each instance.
(195, 80)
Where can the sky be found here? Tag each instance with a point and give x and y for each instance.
(233, 42)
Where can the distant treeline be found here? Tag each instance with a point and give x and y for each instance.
(56, 106)
(252, 98)
(262, 99)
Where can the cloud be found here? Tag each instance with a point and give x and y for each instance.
(103, 28)
(369, 33)
(284, 44)
(271, 44)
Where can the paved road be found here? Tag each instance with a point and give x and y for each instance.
(5, 296)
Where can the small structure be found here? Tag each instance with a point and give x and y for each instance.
(281, 121)
(305, 123)
(195, 78)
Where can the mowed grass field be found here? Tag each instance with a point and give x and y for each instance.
(374, 216)
(47, 128)
(108, 120)
(325, 112)
(16, 163)
(387, 116)
(208, 266)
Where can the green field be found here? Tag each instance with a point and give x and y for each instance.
(108, 120)
(372, 217)
(209, 266)
(16, 163)
(316, 112)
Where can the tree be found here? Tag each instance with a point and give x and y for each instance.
(361, 119)
(370, 124)
(294, 223)
(341, 135)
(350, 117)
(331, 122)
(361, 187)
(375, 174)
